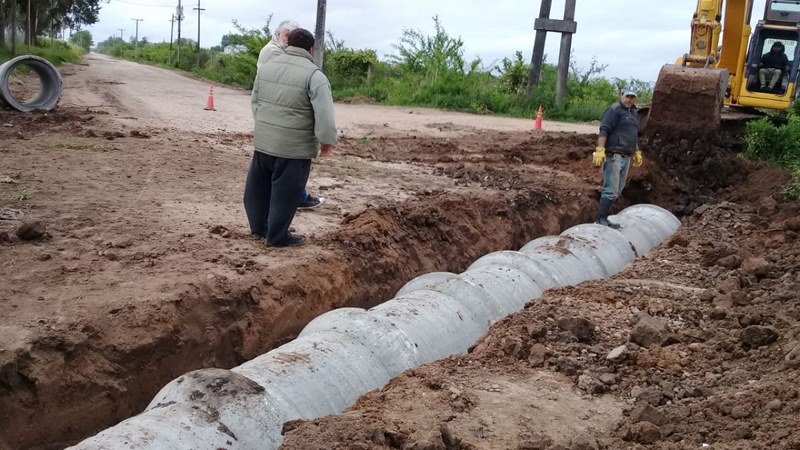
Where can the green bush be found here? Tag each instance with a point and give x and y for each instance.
(792, 190)
(778, 145)
(57, 52)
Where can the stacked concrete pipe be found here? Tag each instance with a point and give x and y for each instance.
(347, 352)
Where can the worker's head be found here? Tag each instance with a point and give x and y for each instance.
(281, 34)
(301, 38)
(628, 96)
(777, 47)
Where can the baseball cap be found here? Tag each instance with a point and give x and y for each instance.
(629, 90)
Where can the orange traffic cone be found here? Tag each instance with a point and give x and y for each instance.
(538, 126)
(210, 101)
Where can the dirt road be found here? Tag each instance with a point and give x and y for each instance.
(146, 269)
(144, 96)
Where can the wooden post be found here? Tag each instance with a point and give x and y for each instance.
(538, 47)
(563, 55)
(567, 28)
(319, 33)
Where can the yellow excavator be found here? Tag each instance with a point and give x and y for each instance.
(722, 66)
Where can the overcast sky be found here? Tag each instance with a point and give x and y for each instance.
(633, 37)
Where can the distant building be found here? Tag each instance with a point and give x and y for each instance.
(234, 49)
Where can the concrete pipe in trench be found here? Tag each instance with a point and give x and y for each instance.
(347, 352)
(50, 89)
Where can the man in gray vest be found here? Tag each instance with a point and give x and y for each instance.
(294, 123)
(275, 47)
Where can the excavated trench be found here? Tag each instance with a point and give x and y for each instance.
(361, 264)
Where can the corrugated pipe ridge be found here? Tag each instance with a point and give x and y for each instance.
(347, 352)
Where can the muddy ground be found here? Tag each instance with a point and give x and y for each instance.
(141, 268)
(696, 345)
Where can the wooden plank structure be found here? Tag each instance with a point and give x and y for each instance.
(567, 27)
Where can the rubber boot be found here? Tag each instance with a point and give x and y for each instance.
(602, 214)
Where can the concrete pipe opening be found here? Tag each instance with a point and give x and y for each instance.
(23, 98)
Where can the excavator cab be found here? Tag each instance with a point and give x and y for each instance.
(762, 42)
(779, 25)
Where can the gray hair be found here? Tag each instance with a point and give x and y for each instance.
(287, 25)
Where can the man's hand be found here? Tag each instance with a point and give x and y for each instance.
(637, 158)
(325, 149)
(599, 156)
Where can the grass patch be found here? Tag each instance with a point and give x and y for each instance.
(20, 197)
(61, 144)
(57, 52)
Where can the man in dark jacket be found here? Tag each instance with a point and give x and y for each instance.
(617, 144)
(774, 64)
(294, 122)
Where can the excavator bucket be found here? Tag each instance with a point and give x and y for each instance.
(687, 99)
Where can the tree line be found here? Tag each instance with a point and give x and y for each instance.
(21, 21)
(426, 69)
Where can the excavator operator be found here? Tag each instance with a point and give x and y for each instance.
(772, 67)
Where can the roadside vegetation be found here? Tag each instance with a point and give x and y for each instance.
(426, 69)
(55, 51)
(33, 28)
(777, 144)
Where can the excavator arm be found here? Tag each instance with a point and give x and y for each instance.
(706, 30)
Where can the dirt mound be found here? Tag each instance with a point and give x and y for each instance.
(23, 125)
(695, 344)
(692, 172)
(357, 100)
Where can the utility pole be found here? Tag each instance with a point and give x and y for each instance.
(136, 39)
(179, 13)
(319, 33)
(120, 34)
(199, 9)
(171, 30)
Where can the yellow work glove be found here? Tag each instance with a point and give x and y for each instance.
(637, 158)
(599, 156)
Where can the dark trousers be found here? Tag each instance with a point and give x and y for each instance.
(272, 193)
